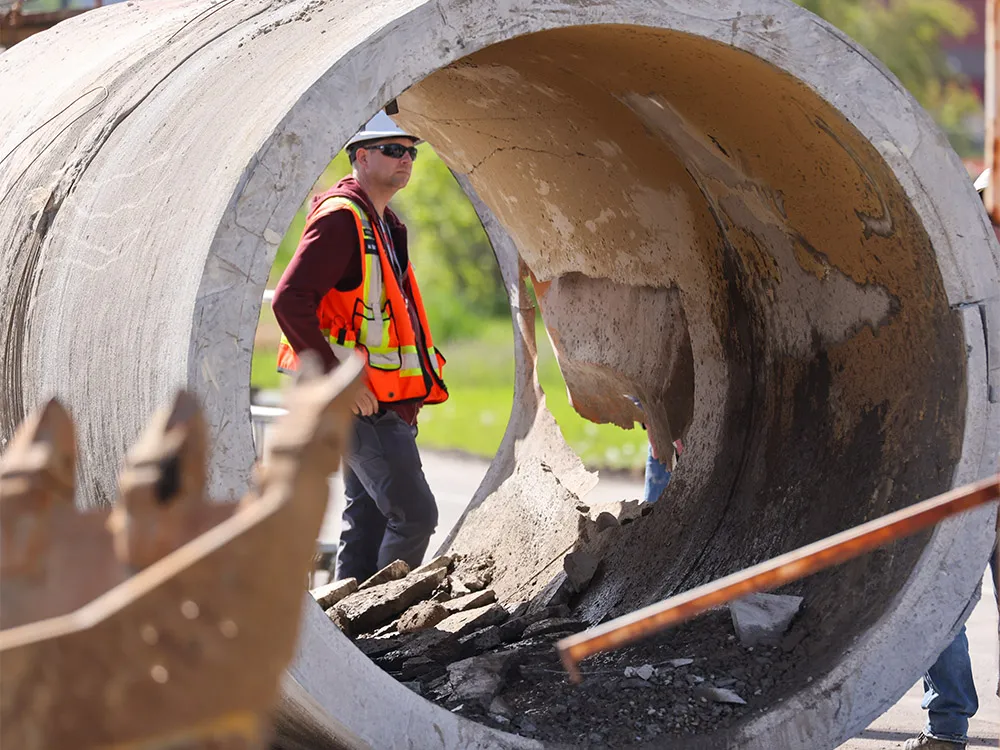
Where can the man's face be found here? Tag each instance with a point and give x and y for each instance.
(382, 169)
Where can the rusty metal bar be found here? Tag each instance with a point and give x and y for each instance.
(773, 573)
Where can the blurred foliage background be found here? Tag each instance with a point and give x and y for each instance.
(907, 37)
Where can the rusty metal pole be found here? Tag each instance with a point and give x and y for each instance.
(773, 573)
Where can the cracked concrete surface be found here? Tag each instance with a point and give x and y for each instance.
(727, 209)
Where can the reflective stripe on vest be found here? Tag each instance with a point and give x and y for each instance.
(340, 350)
(432, 356)
(374, 328)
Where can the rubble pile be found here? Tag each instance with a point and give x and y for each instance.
(440, 630)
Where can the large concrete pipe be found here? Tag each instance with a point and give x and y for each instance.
(728, 210)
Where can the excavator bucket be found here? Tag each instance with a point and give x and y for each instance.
(167, 621)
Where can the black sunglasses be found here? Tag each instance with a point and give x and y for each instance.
(395, 150)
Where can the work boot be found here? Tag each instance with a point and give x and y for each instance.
(923, 742)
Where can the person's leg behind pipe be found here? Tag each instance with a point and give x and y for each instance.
(950, 697)
(390, 469)
(949, 692)
(657, 477)
(362, 530)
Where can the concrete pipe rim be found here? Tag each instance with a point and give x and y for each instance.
(762, 731)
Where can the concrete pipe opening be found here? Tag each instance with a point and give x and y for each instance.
(727, 210)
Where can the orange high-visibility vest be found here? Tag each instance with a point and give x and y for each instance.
(373, 319)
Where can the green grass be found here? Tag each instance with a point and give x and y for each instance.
(480, 378)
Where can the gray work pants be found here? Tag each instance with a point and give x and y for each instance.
(390, 513)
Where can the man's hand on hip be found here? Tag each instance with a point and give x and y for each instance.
(365, 404)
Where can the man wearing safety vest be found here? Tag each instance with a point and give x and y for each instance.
(350, 290)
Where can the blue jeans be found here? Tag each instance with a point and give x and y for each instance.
(657, 478)
(949, 691)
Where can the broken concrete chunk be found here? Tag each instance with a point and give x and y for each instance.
(458, 588)
(420, 667)
(441, 595)
(432, 644)
(680, 662)
(792, 639)
(557, 591)
(439, 684)
(520, 610)
(374, 648)
(422, 616)
(622, 511)
(471, 601)
(480, 678)
(443, 561)
(462, 623)
(391, 572)
(514, 628)
(384, 630)
(559, 610)
(525, 725)
(480, 641)
(718, 695)
(499, 707)
(472, 574)
(605, 521)
(540, 651)
(467, 584)
(328, 595)
(366, 609)
(645, 671)
(762, 619)
(554, 625)
(580, 567)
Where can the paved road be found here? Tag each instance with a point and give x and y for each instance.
(454, 480)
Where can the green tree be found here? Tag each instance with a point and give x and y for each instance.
(453, 256)
(906, 35)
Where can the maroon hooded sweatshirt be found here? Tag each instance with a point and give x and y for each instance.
(329, 257)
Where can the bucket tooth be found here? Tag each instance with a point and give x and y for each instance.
(36, 485)
(162, 485)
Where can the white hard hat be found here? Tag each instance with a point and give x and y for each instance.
(982, 181)
(379, 127)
